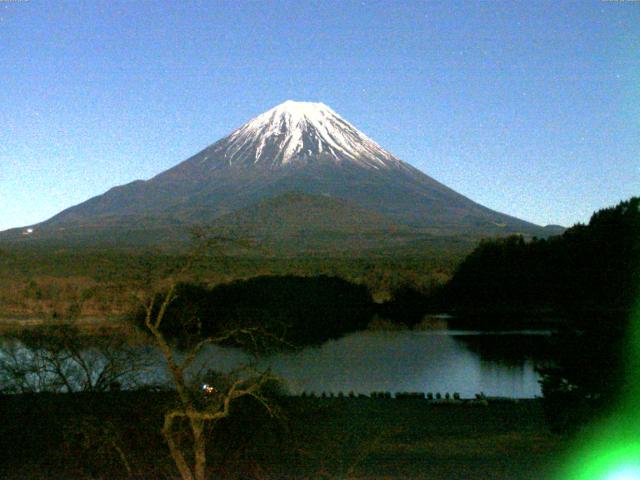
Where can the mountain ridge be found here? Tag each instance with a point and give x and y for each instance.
(296, 146)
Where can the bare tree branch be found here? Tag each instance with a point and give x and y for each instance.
(201, 408)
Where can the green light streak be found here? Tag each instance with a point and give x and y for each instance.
(611, 451)
(625, 473)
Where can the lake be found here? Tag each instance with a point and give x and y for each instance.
(466, 362)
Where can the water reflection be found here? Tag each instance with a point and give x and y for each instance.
(408, 361)
(466, 362)
(512, 349)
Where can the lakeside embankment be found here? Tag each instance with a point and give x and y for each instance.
(466, 321)
(86, 325)
(364, 438)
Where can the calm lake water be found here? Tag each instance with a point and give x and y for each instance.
(467, 362)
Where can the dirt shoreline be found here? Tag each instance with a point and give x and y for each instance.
(16, 324)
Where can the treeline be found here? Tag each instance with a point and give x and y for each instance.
(589, 268)
(287, 310)
(43, 282)
(590, 276)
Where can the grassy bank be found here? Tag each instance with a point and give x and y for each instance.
(116, 435)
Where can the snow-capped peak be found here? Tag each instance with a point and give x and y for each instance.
(299, 131)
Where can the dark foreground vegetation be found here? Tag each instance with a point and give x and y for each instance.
(117, 435)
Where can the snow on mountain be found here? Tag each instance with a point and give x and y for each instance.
(297, 131)
(299, 147)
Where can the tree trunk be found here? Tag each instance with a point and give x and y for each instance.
(176, 454)
(199, 447)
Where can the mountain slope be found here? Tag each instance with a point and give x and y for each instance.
(297, 222)
(296, 146)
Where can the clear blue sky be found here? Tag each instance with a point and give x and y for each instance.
(530, 108)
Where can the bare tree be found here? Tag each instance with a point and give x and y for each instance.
(200, 405)
(60, 359)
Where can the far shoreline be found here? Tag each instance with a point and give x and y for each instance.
(441, 321)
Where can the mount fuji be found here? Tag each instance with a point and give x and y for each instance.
(297, 169)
